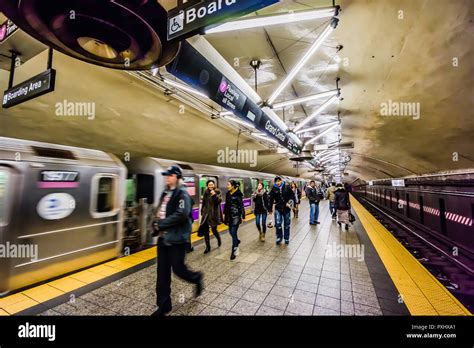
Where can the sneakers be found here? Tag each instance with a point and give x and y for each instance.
(287, 241)
(232, 256)
(236, 251)
(317, 222)
(278, 241)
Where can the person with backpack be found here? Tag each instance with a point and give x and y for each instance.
(260, 201)
(342, 205)
(173, 224)
(211, 214)
(234, 213)
(314, 198)
(283, 197)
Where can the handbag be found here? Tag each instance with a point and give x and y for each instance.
(352, 218)
(203, 228)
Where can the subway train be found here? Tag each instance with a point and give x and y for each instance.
(442, 203)
(65, 208)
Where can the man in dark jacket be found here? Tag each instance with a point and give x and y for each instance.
(313, 197)
(283, 197)
(173, 224)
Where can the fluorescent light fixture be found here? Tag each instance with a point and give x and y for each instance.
(317, 127)
(183, 87)
(312, 140)
(263, 137)
(324, 35)
(239, 121)
(226, 113)
(308, 119)
(305, 99)
(274, 19)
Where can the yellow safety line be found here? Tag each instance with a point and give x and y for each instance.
(422, 293)
(34, 296)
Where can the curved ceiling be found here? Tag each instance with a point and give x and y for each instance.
(384, 58)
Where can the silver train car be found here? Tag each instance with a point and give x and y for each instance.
(65, 208)
(145, 182)
(61, 210)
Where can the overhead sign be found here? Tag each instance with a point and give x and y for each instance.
(32, 88)
(7, 29)
(193, 68)
(189, 19)
(398, 183)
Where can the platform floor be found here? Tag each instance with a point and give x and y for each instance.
(303, 278)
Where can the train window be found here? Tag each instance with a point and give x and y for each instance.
(202, 183)
(254, 183)
(4, 178)
(397, 196)
(385, 197)
(422, 210)
(442, 215)
(391, 202)
(130, 190)
(266, 184)
(104, 195)
(146, 187)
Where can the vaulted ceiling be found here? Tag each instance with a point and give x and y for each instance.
(400, 51)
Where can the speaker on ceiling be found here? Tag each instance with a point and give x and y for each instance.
(119, 34)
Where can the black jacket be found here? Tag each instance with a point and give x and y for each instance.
(234, 210)
(313, 195)
(260, 203)
(177, 225)
(211, 208)
(341, 201)
(280, 196)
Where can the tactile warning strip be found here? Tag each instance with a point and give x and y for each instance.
(422, 293)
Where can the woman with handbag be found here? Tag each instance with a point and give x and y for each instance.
(211, 214)
(342, 205)
(234, 213)
(260, 200)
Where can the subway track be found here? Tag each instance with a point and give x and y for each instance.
(450, 264)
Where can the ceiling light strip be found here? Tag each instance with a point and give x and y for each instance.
(316, 44)
(274, 19)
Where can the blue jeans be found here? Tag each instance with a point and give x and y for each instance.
(233, 233)
(332, 208)
(313, 213)
(286, 217)
(263, 218)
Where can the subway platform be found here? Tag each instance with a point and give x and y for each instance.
(314, 275)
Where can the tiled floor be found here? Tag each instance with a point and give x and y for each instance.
(265, 279)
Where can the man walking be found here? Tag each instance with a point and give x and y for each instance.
(283, 197)
(313, 198)
(330, 195)
(173, 224)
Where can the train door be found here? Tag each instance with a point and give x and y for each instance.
(267, 184)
